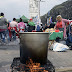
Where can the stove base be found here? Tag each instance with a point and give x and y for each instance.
(18, 66)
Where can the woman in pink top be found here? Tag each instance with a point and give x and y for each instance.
(61, 23)
(21, 26)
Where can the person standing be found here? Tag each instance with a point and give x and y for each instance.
(31, 25)
(41, 28)
(13, 28)
(38, 27)
(61, 24)
(3, 28)
(46, 26)
(21, 26)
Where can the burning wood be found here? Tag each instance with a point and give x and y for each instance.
(30, 66)
(35, 67)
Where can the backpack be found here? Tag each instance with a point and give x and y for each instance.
(38, 28)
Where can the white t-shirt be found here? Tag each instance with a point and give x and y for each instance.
(13, 24)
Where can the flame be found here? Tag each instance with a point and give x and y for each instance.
(35, 67)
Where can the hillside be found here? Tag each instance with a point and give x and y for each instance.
(64, 9)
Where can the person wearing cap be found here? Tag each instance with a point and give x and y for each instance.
(60, 25)
(31, 25)
(3, 28)
(31, 20)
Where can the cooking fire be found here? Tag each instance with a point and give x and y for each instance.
(31, 66)
(35, 67)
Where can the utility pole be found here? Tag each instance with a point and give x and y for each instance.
(39, 8)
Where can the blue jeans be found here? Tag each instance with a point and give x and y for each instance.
(13, 35)
(0, 35)
(4, 34)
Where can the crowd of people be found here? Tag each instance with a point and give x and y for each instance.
(9, 30)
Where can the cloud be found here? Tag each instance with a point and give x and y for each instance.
(4, 2)
(14, 8)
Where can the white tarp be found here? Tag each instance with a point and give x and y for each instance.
(60, 47)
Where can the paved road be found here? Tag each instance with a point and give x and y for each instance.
(7, 53)
(61, 60)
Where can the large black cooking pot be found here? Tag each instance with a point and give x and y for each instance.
(34, 45)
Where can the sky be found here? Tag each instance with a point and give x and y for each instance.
(17, 8)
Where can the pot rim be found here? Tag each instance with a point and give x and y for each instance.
(34, 32)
